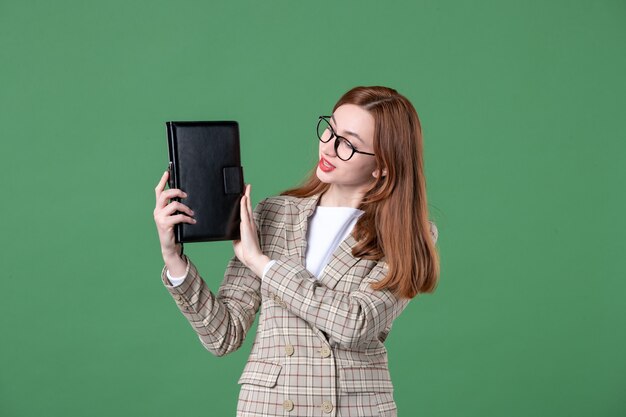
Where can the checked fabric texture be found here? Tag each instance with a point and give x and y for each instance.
(319, 346)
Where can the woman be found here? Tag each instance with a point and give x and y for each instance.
(331, 263)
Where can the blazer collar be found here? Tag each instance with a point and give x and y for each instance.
(340, 262)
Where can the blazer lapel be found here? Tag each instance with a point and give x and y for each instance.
(340, 262)
(296, 226)
(295, 236)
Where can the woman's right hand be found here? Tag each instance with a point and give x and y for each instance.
(165, 218)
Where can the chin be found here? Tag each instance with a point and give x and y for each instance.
(321, 175)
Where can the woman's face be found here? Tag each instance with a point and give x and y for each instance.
(357, 126)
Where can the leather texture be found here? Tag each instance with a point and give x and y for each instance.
(319, 346)
(205, 163)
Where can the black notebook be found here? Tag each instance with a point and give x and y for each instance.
(205, 163)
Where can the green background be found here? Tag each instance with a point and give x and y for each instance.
(522, 110)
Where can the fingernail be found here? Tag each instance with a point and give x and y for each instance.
(194, 220)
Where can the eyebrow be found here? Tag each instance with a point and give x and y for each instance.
(347, 132)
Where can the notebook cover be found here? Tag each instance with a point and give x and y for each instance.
(205, 163)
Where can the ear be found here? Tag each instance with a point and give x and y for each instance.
(375, 173)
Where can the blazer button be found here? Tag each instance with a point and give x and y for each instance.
(280, 302)
(289, 349)
(327, 407)
(325, 351)
(288, 405)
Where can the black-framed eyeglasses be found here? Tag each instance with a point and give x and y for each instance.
(343, 147)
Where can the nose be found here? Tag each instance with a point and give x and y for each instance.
(328, 148)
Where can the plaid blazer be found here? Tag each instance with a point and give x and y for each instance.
(318, 349)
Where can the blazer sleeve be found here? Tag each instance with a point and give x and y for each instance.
(353, 319)
(220, 320)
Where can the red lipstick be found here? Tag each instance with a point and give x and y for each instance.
(325, 165)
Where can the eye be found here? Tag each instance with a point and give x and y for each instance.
(344, 142)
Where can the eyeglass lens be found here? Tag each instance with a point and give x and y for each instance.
(343, 148)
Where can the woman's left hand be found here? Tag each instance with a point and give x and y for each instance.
(247, 248)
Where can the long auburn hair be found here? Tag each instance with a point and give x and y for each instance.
(394, 226)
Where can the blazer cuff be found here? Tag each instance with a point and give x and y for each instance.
(267, 267)
(175, 284)
(176, 281)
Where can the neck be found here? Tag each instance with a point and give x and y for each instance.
(335, 197)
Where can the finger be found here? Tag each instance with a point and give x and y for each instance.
(161, 185)
(244, 209)
(174, 206)
(178, 218)
(246, 194)
(169, 194)
(248, 201)
(247, 225)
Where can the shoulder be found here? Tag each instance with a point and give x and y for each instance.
(282, 202)
(275, 203)
(275, 207)
(433, 231)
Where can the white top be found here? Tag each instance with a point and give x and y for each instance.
(328, 227)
